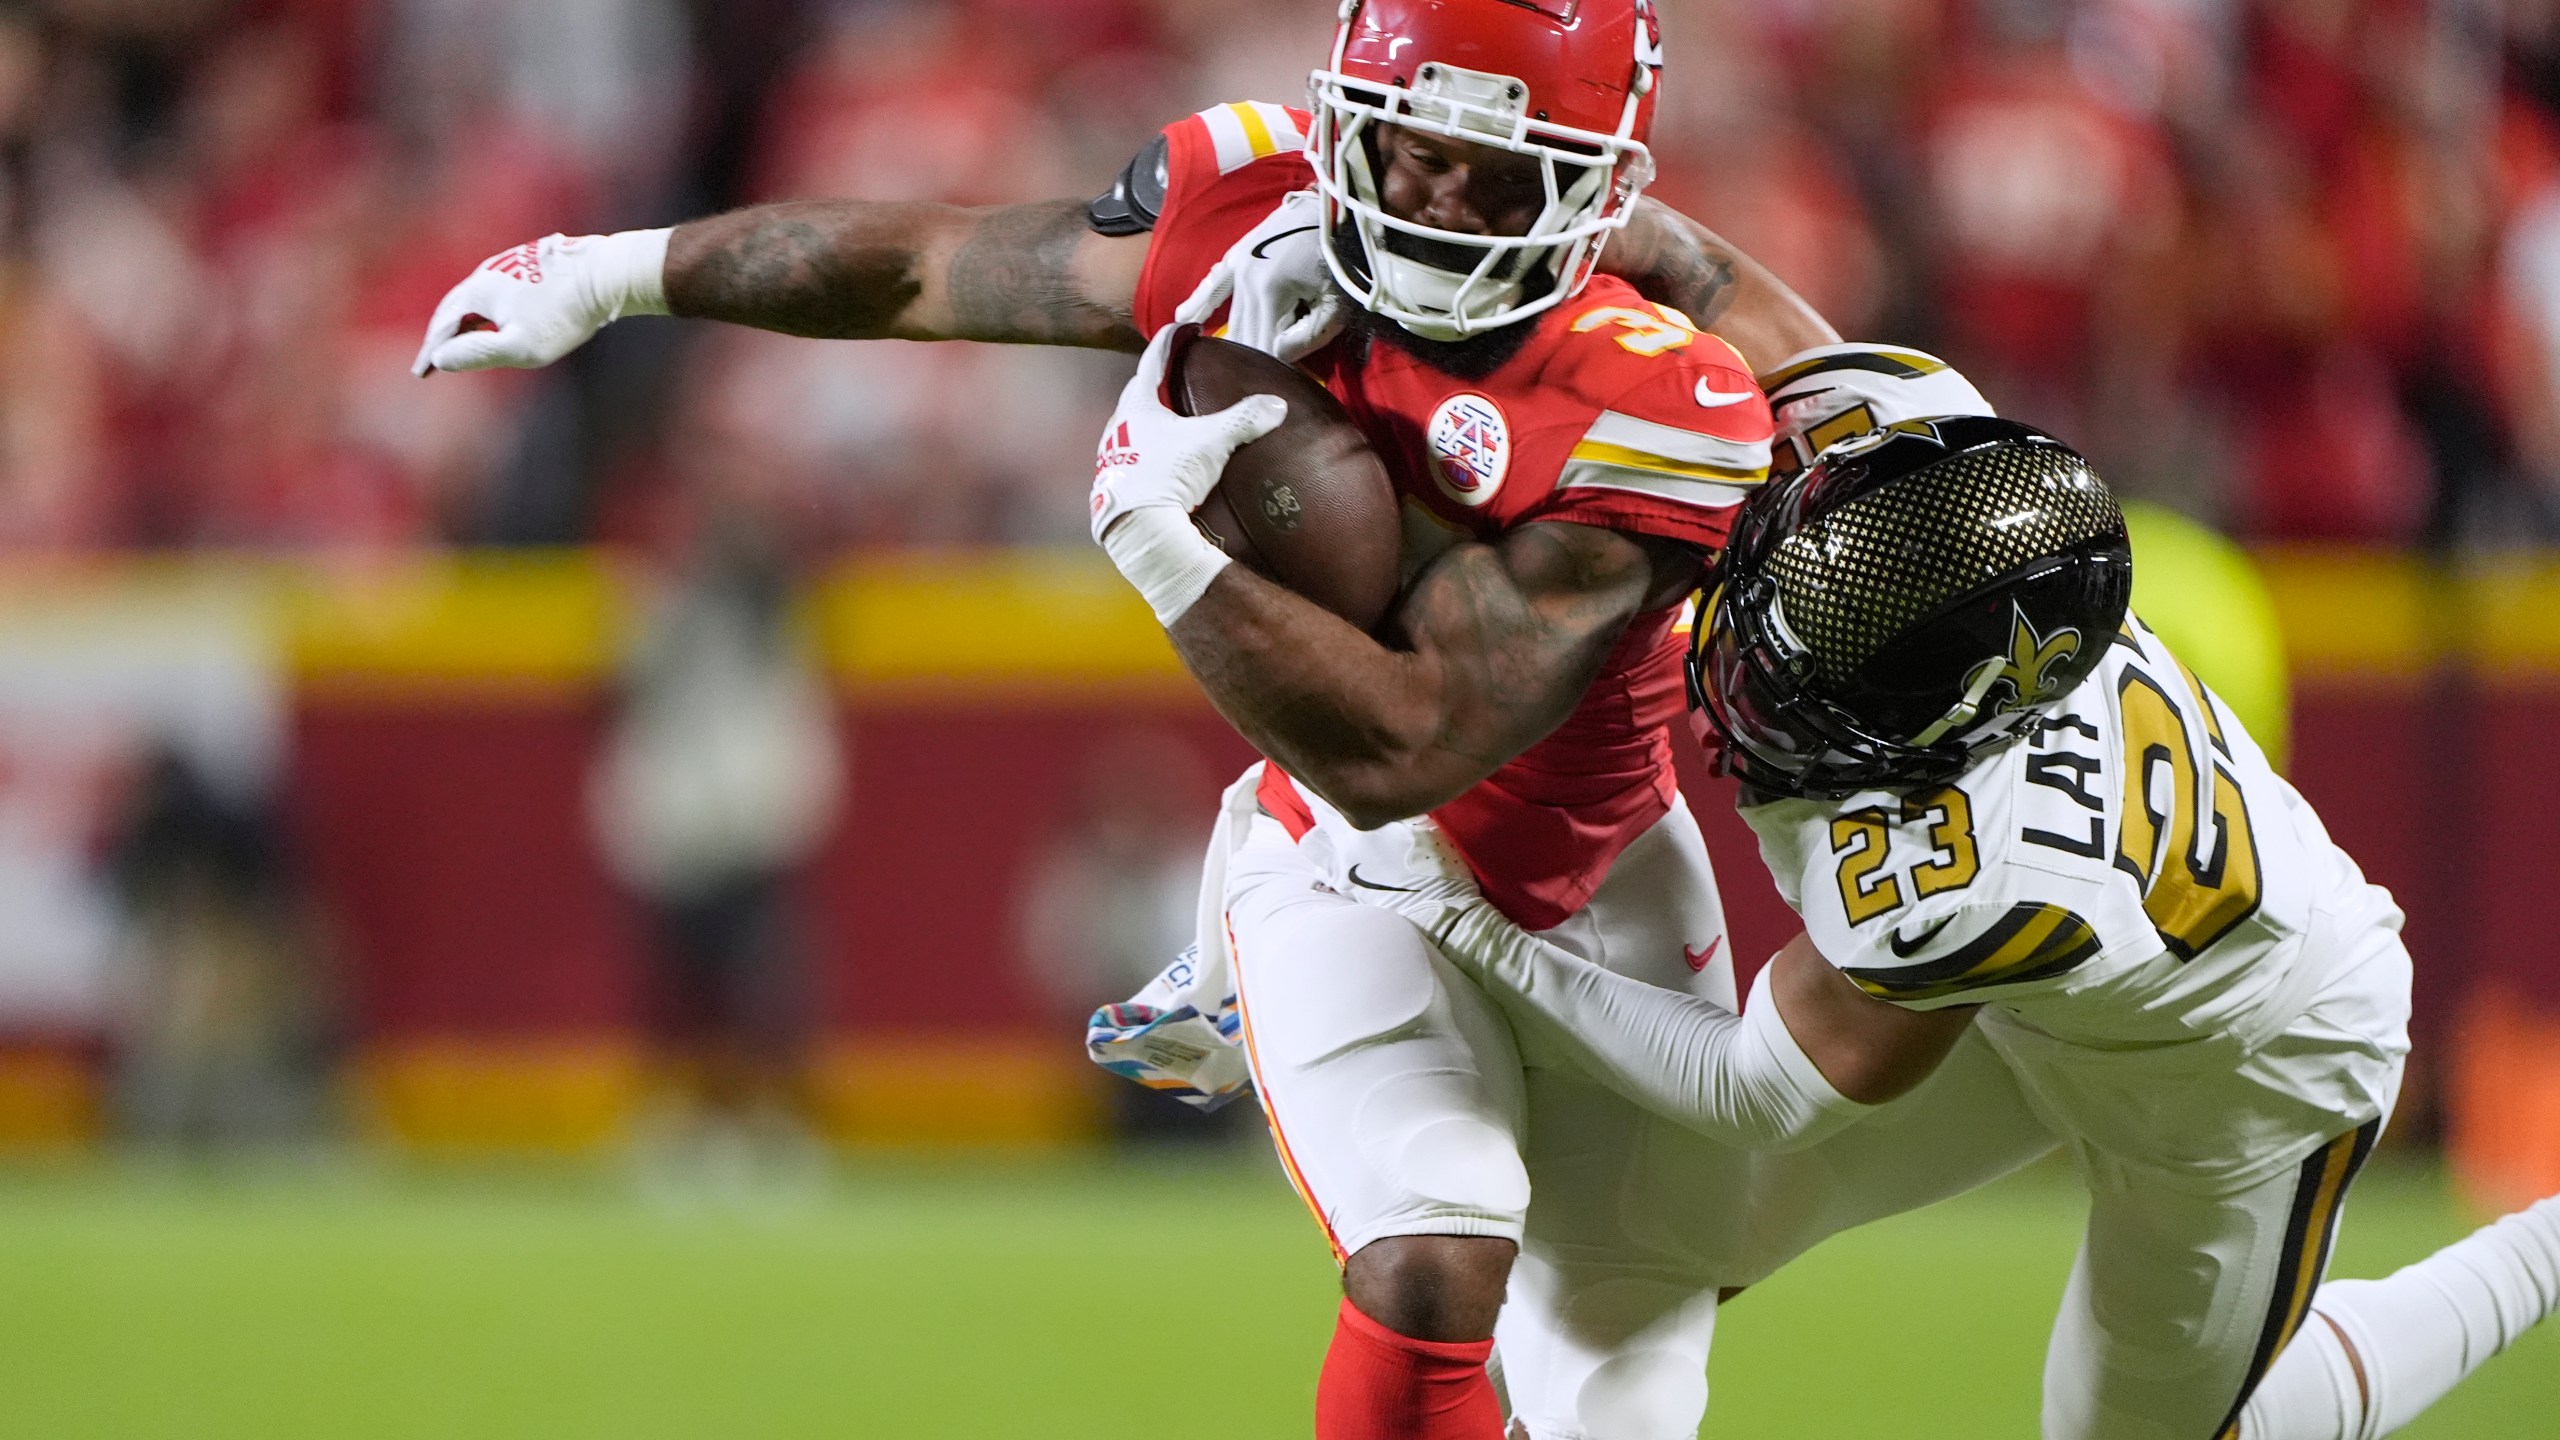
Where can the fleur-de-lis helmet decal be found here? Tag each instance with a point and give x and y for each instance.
(2025, 675)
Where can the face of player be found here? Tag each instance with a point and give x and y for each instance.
(1458, 185)
(1462, 188)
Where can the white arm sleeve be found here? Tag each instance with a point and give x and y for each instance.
(1739, 1079)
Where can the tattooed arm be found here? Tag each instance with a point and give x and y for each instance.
(1030, 274)
(1497, 644)
(1676, 261)
(851, 269)
(854, 270)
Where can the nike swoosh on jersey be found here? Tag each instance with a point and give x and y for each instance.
(1715, 399)
(1698, 958)
(1262, 248)
(1905, 949)
(1374, 885)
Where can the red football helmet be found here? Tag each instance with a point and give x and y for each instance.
(1568, 82)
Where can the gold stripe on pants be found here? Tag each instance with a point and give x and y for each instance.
(2308, 1232)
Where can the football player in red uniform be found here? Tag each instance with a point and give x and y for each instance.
(1569, 445)
(1566, 451)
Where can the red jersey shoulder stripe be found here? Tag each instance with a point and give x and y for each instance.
(1223, 177)
(1250, 130)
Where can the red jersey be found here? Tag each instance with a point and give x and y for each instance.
(1617, 413)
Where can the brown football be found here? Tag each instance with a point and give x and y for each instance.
(1308, 505)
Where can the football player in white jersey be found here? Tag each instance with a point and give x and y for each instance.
(2009, 816)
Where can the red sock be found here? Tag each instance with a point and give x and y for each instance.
(1379, 1385)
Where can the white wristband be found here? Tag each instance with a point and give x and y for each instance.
(1165, 557)
(629, 271)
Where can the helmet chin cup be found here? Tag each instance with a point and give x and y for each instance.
(1439, 304)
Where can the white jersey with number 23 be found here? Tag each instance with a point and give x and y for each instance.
(2169, 948)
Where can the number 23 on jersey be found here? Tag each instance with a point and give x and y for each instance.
(1863, 839)
(2183, 831)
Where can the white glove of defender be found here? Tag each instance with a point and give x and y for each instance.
(1154, 469)
(1284, 302)
(547, 297)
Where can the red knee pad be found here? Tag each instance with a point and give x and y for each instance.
(1379, 1385)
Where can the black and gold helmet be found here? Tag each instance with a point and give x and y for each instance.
(1907, 602)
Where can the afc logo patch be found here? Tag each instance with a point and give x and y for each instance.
(1470, 448)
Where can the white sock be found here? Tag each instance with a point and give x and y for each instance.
(2415, 1334)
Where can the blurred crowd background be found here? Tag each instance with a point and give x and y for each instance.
(2291, 267)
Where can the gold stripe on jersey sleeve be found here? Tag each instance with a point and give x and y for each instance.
(1678, 489)
(2032, 942)
(1601, 453)
(1671, 442)
(1286, 135)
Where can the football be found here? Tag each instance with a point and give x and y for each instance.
(1308, 505)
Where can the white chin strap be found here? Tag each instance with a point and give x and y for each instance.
(1962, 712)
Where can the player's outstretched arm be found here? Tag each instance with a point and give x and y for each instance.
(1033, 274)
(1496, 644)
(1673, 260)
(830, 269)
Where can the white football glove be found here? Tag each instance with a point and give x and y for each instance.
(1285, 303)
(1154, 469)
(546, 297)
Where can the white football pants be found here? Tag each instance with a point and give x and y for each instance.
(1401, 1106)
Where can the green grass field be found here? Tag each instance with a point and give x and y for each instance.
(1158, 1296)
